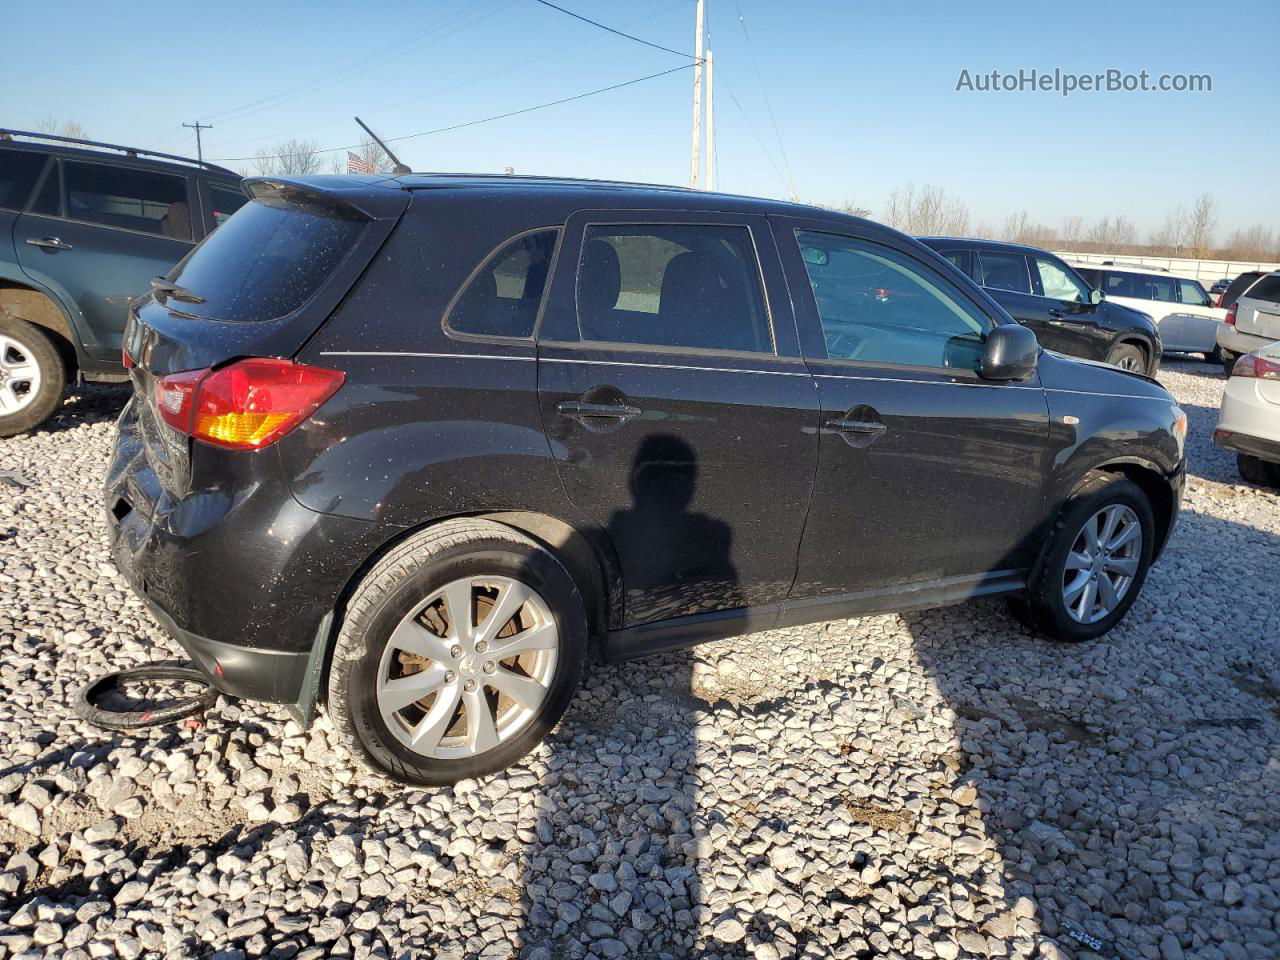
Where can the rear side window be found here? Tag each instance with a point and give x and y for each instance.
(694, 286)
(18, 172)
(502, 299)
(127, 199)
(962, 259)
(1140, 286)
(880, 306)
(1091, 275)
(266, 261)
(1268, 288)
(224, 201)
(1004, 271)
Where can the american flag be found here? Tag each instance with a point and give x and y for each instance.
(358, 164)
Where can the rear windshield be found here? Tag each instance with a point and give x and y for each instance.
(265, 261)
(1238, 286)
(1268, 288)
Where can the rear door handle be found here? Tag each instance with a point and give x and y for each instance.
(48, 243)
(857, 433)
(578, 409)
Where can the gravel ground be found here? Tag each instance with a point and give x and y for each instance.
(940, 784)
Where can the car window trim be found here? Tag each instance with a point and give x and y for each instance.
(65, 206)
(461, 335)
(877, 364)
(689, 351)
(1026, 269)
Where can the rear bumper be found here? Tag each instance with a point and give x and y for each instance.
(1233, 341)
(242, 575)
(1249, 421)
(1268, 450)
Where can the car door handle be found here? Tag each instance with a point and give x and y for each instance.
(578, 409)
(857, 433)
(48, 243)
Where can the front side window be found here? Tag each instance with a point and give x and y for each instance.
(880, 306)
(127, 199)
(1058, 283)
(502, 300)
(1193, 293)
(1004, 271)
(18, 172)
(694, 286)
(224, 201)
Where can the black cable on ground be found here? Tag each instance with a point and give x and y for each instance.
(85, 702)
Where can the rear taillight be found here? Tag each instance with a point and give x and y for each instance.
(1260, 368)
(126, 359)
(246, 405)
(1231, 315)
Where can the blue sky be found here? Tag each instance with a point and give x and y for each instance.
(863, 93)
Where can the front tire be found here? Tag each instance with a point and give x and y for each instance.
(1097, 560)
(427, 684)
(31, 376)
(1129, 357)
(1214, 356)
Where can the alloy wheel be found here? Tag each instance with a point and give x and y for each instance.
(19, 375)
(468, 668)
(1102, 563)
(1130, 363)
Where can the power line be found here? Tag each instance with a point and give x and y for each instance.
(476, 123)
(768, 106)
(197, 127)
(596, 23)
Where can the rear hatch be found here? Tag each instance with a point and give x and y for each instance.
(259, 286)
(1258, 309)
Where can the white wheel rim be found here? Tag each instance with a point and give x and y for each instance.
(19, 375)
(1102, 563)
(448, 687)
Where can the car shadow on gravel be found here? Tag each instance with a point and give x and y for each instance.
(85, 404)
(1125, 787)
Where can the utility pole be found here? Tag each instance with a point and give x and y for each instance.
(197, 127)
(711, 120)
(697, 101)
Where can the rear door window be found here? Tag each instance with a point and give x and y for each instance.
(18, 172)
(1004, 271)
(961, 259)
(503, 297)
(266, 261)
(694, 286)
(127, 199)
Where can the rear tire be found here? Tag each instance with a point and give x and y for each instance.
(1228, 362)
(1214, 356)
(1254, 470)
(1091, 610)
(462, 725)
(1129, 357)
(31, 376)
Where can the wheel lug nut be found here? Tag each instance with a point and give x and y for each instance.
(456, 651)
(481, 646)
(490, 666)
(450, 676)
(469, 686)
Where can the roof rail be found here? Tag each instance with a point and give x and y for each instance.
(1129, 265)
(127, 151)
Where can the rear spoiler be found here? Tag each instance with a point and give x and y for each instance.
(367, 198)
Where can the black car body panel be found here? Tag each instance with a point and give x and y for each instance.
(1074, 327)
(693, 492)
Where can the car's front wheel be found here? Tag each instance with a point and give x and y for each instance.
(460, 651)
(1214, 356)
(31, 376)
(1097, 560)
(1129, 357)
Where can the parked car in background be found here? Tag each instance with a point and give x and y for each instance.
(1249, 421)
(84, 227)
(1238, 286)
(615, 414)
(1218, 288)
(1182, 310)
(1253, 321)
(1043, 293)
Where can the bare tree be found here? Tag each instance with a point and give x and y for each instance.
(927, 211)
(1071, 233)
(1172, 235)
(375, 157)
(1019, 228)
(1254, 243)
(290, 158)
(1200, 223)
(849, 207)
(1110, 235)
(65, 128)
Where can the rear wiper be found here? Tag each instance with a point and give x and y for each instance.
(171, 289)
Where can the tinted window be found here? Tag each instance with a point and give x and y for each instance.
(48, 202)
(1193, 293)
(672, 285)
(266, 261)
(961, 259)
(1058, 283)
(502, 299)
(1091, 275)
(1238, 286)
(128, 199)
(18, 172)
(224, 201)
(1141, 286)
(1268, 288)
(1004, 271)
(881, 306)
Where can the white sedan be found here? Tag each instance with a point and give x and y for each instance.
(1249, 421)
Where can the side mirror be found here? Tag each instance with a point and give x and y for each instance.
(1096, 297)
(1010, 353)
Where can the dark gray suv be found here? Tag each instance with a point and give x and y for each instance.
(84, 227)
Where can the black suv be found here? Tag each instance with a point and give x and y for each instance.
(1066, 313)
(84, 226)
(409, 445)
